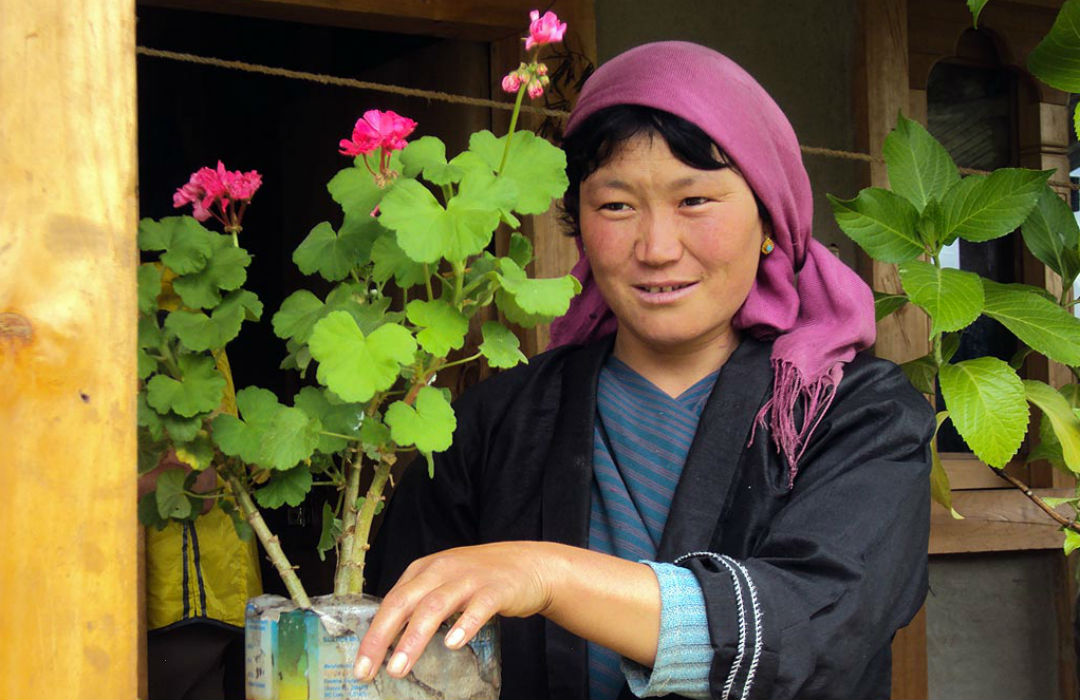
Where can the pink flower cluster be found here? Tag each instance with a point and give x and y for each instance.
(386, 130)
(209, 186)
(544, 30)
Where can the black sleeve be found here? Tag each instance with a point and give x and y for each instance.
(841, 565)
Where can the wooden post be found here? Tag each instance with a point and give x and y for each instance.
(68, 567)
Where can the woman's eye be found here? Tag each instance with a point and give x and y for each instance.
(694, 201)
(615, 206)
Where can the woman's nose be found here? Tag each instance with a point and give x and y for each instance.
(659, 241)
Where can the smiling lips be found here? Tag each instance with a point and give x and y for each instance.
(662, 293)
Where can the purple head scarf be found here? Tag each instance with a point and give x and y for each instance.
(819, 312)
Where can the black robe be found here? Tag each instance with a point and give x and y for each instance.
(830, 569)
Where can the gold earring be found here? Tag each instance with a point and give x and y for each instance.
(767, 246)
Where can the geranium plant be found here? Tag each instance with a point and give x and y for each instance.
(410, 265)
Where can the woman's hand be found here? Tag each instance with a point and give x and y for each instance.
(602, 598)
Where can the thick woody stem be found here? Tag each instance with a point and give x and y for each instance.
(358, 554)
(1026, 490)
(343, 575)
(270, 544)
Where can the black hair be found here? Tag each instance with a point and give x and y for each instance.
(599, 137)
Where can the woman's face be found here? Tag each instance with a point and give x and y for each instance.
(674, 249)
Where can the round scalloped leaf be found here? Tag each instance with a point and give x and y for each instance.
(536, 298)
(335, 417)
(225, 270)
(356, 191)
(199, 390)
(952, 298)
(326, 252)
(169, 494)
(199, 332)
(266, 433)
(986, 402)
(391, 261)
(501, 347)
(285, 487)
(149, 279)
(444, 327)
(186, 242)
(427, 232)
(298, 314)
(430, 426)
(537, 168)
(428, 155)
(354, 366)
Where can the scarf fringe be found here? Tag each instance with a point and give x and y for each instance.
(779, 411)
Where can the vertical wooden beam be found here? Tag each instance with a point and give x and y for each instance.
(68, 567)
(882, 93)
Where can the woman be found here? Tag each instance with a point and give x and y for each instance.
(723, 498)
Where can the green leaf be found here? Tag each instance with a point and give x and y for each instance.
(199, 332)
(199, 390)
(428, 155)
(1065, 424)
(1051, 233)
(922, 373)
(148, 418)
(952, 298)
(920, 168)
(266, 433)
(1072, 541)
(197, 453)
(430, 426)
(986, 403)
(240, 524)
(391, 261)
(149, 277)
(354, 366)
(356, 191)
(226, 269)
(149, 334)
(1056, 60)
(501, 347)
(375, 436)
(940, 490)
(427, 232)
(298, 314)
(528, 301)
(444, 327)
(148, 512)
(326, 252)
(521, 250)
(331, 531)
(285, 487)
(1038, 322)
(981, 208)
(151, 450)
(950, 343)
(537, 168)
(181, 429)
(885, 304)
(187, 244)
(976, 7)
(335, 417)
(882, 223)
(172, 502)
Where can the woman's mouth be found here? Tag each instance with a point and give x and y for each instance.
(664, 292)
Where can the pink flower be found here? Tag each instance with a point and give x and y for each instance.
(377, 129)
(535, 89)
(209, 186)
(511, 82)
(544, 30)
(242, 186)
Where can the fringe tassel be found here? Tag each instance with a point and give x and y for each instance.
(790, 387)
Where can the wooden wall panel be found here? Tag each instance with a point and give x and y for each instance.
(68, 621)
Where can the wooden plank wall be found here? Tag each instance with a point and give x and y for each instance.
(68, 622)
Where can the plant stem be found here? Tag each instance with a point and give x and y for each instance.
(459, 282)
(427, 282)
(348, 525)
(1026, 490)
(270, 543)
(357, 555)
(462, 360)
(513, 125)
(350, 438)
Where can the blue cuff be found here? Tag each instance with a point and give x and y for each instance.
(684, 651)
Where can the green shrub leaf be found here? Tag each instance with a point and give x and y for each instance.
(444, 327)
(885, 304)
(984, 207)
(1056, 60)
(952, 298)
(354, 366)
(940, 490)
(987, 404)
(331, 531)
(1040, 323)
(226, 269)
(266, 433)
(285, 487)
(430, 426)
(922, 373)
(198, 391)
(1051, 234)
(501, 347)
(537, 168)
(1063, 421)
(920, 168)
(882, 223)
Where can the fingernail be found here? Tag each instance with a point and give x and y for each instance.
(397, 663)
(455, 638)
(363, 667)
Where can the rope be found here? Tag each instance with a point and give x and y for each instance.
(323, 79)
